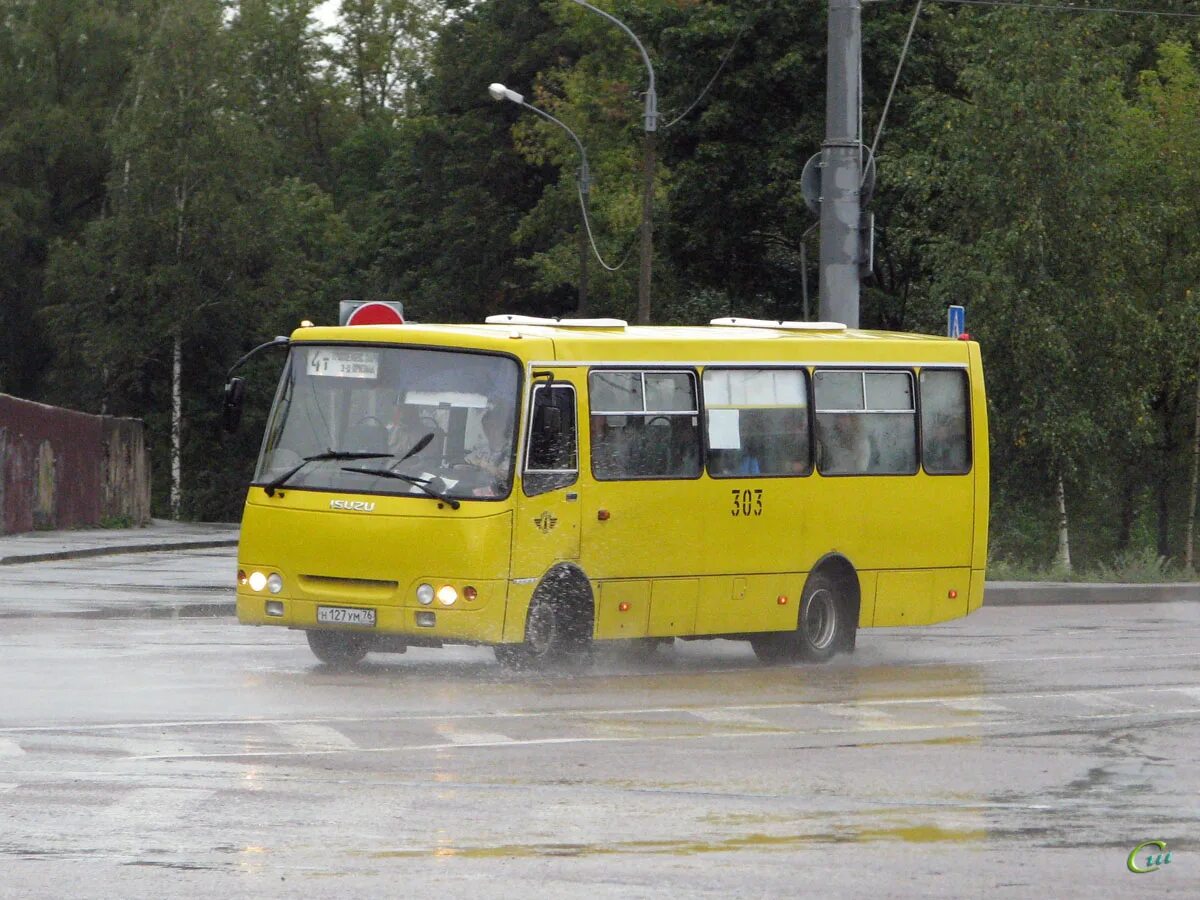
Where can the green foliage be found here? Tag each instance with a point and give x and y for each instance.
(212, 172)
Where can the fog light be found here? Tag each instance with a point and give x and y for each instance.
(425, 594)
(274, 583)
(426, 619)
(258, 581)
(447, 595)
(274, 607)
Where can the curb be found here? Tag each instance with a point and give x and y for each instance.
(116, 549)
(1020, 593)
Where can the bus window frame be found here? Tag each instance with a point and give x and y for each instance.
(697, 396)
(863, 370)
(554, 483)
(810, 419)
(970, 421)
(297, 345)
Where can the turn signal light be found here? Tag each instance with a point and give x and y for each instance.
(781, 600)
(623, 607)
(242, 577)
(469, 593)
(953, 594)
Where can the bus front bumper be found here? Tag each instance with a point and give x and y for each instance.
(484, 625)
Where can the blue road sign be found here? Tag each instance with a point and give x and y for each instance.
(956, 321)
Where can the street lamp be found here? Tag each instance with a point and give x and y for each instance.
(650, 124)
(500, 92)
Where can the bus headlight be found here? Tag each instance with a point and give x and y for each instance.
(274, 583)
(447, 595)
(258, 581)
(425, 594)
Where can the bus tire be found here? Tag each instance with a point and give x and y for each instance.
(338, 648)
(824, 626)
(558, 631)
(774, 647)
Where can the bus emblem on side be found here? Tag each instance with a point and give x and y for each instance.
(355, 505)
(545, 522)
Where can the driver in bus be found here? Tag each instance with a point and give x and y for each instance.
(494, 455)
(406, 431)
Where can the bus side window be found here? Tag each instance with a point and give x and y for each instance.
(552, 456)
(644, 425)
(866, 422)
(757, 422)
(945, 435)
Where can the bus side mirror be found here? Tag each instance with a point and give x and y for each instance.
(231, 411)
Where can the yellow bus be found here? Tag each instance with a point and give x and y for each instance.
(542, 486)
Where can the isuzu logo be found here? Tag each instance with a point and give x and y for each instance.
(354, 505)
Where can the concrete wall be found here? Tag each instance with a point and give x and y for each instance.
(65, 469)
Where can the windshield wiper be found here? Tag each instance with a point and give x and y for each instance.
(422, 483)
(271, 486)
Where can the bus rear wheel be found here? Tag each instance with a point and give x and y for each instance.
(338, 648)
(824, 626)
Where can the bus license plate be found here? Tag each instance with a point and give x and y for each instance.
(344, 615)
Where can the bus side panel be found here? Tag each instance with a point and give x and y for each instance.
(921, 597)
(982, 465)
(749, 603)
(977, 589)
(673, 607)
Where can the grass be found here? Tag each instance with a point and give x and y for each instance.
(1134, 567)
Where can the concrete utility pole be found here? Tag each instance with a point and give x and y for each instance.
(841, 176)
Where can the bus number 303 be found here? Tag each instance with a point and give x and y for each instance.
(747, 502)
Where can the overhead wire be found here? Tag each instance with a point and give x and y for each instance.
(1059, 7)
(716, 75)
(587, 224)
(912, 26)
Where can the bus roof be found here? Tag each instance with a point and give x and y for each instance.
(614, 341)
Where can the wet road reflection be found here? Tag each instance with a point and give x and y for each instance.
(935, 760)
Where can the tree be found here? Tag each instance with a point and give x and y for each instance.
(146, 280)
(1158, 188)
(62, 65)
(1012, 179)
(383, 49)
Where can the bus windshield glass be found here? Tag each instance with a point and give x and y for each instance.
(375, 419)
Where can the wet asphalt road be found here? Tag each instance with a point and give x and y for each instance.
(1019, 752)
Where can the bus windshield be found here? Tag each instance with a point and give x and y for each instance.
(393, 420)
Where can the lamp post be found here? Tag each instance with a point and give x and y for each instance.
(500, 92)
(650, 124)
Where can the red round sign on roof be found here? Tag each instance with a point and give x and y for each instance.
(375, 314)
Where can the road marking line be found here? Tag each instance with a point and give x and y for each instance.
(975, 705)
(732, 717)
(875, 722)
(476, 738)
(155, 805)
(317, 737)
(831, 705)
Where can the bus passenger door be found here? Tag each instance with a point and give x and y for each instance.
(547, 526)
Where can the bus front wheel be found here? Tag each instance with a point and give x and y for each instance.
(554, 635)
(824, 626)
(337, 648)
